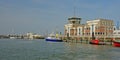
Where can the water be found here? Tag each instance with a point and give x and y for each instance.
(42, 50)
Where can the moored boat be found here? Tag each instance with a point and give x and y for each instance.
(116, 43)
(53, 38)
(96, 42)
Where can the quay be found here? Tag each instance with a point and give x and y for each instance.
(86, 40)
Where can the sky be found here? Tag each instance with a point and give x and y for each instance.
(45, 16)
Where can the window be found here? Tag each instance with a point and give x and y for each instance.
(98, 33)
(86, 28)
(79, 29)
(89, 28)
(101, 33)
(114, 33)
(118, 32)
(73, 22)
(95, 33)
(87, 33)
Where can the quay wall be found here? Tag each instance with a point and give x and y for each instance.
(107, 40)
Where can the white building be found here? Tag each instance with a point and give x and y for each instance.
(97, 27)
(116, 32)
(30, 35)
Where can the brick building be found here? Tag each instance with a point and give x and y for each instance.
(98, 27)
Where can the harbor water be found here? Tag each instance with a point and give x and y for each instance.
(21, 49)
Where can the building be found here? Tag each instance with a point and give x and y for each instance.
(29, 35)
(97, 27)
(73, 28)
(33, 36)
(116, 32)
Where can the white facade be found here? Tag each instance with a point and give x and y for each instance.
(92, 24)
(69, 27)
(79, 31)
(30, 35)
(116, 33)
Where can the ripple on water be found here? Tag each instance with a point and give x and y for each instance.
(42, 50)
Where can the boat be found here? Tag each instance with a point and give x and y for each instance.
(116, 43)
(96, 42)
(53, 38)
(13, 37)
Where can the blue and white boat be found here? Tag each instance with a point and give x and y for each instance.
(53, 38)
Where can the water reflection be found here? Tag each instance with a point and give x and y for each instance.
(91, 52)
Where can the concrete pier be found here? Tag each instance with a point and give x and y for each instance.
(86, 40)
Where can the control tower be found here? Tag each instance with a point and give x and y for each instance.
(74, 20)
(71, 29)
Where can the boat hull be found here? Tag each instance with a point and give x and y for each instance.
(93, 43)
(54, 40)
(116, 44)
(96, 42)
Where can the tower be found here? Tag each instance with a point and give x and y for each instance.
(74, 20)
(71, 29)
(72, 26)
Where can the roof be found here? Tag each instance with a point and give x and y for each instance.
(74, 18)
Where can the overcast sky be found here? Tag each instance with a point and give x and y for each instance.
(42, 16)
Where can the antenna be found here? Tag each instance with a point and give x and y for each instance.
(13, 31)
(117, 25)
(74, 8)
